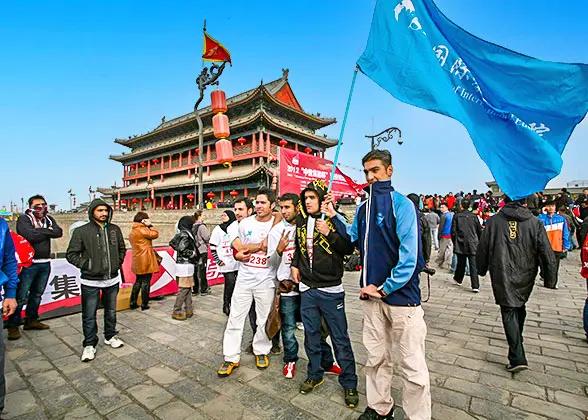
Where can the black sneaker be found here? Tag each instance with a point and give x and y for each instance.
(309, 385)
(351, 398)
(249, 348)
(516, 369)
(133, 306)
(276, 349)
(371, 414)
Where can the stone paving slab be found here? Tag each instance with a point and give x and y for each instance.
(167, 369)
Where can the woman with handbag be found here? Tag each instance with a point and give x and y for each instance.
(145, 260)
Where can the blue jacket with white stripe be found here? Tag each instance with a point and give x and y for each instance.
(8, 263)
(386, 230)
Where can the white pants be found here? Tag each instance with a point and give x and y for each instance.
(243, 296)
(394, 337)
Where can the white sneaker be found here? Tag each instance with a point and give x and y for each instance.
(476, 290)
(88, 354)
(300, 326)
(114, 342)
(289, 370)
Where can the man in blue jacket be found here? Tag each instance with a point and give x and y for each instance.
(387, 232)
(9, 282)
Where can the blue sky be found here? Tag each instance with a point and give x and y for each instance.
(75, 75)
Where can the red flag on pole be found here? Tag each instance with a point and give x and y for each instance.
(214, 50)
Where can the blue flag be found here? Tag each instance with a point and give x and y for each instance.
(519, 111)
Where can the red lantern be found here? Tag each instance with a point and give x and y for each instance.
(242, 141)
(147, 200)
(219, 101)
(123, 201)
(211, 195)
(135, 201)
(233, 193)
(156, 161)
(220, 124)
(224, 151)
(143, 164)
(283, 143)
(190, 197)
(197, 151)
(308, 150)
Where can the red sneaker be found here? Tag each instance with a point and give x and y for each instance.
(335, 369)
(289, 370)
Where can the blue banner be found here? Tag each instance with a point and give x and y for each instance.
(518, 110)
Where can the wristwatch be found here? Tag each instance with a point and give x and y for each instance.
(382, 293)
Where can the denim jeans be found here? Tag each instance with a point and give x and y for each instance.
(31, 285)
(288, 305)
(90, 301)
(2, 358)
(331, 306)
(586, 318)
(434, 233)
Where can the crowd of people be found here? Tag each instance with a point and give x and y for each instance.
(294, 254)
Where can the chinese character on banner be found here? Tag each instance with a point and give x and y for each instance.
(64, 287)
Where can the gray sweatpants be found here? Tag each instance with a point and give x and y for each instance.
(184, 298)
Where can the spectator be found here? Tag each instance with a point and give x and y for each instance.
(145, 260)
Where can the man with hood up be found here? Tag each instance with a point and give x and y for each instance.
(98, 250)
(513, 247)
(317, 266)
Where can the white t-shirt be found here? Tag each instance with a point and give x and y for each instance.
(283, 271)
(222, 241)
(258, 269)
(233, 231)
(310, 224)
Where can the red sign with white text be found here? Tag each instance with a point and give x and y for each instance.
(298, 169)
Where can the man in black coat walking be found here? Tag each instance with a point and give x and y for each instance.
(465, 235)
(513, 247)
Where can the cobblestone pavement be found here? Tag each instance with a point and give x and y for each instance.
(167, 369)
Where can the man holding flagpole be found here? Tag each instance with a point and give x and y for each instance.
(386, 230)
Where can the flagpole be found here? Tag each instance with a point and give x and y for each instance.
(340, 142)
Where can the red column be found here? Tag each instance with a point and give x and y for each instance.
(190, 157)
(208, 171)
(118, 199)
(208, 153)
(253, 143)
(154, 201)
(180, 161)
(162, 203)
(296, 147)
(261, 141)
(222, 195)
(161, 177)
(268, 149)
(246, 193)
(162, 159)
(181, 201)
(253, 163)
(149, 169)
(140, 204)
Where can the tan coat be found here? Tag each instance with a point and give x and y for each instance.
(144, 260)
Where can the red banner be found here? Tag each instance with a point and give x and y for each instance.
(298, 169)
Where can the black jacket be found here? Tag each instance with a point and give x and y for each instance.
(39, 238)
(465, 232)
(513, 247)
(328, 252)
(185, 246)
(97, 251)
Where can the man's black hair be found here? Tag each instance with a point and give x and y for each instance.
(295, 199)
(382, 155)
(36, 197)
(270, 194)
(465, 204)
(247, 201)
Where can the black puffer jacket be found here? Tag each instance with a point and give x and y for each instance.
(328, 251)
(513, 247)
(98, 251)
(185, 246)
(465, 232)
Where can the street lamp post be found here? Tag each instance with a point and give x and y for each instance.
(204, 80)
(386, 135)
